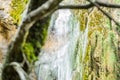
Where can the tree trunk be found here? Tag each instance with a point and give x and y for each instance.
(26, 46)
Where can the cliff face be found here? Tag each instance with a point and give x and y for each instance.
(81, 45)
(7, 27)
(95, 53)
(57, 55)
(100, 60)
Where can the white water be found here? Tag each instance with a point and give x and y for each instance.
(57, 57)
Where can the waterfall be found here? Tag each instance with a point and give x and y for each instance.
(56, 59)
(55, 62)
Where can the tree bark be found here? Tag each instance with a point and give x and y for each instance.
(16, 59)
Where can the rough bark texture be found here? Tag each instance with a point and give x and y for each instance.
(18, 45)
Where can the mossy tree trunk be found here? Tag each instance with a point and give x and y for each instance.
(25, 48)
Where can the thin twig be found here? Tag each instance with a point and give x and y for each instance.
(105, 13)
(87, 6)
(108, 4)
(24, 27)
(79, 6)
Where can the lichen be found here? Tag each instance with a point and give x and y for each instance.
(17, 8)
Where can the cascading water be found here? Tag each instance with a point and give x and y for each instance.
(57, 58)
(55, 61)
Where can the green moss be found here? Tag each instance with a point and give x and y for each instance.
(17, 8)
(29, 51)
(35, 39)
(37, 34)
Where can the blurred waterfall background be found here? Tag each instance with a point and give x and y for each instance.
(59, 57)
(56, 61)
(81, 44)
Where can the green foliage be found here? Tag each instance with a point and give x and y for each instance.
(38, 33)
(117, 1)
(17, 8)
(35, 39)
(29, 51)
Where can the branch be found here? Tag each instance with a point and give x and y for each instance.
(22, 74)
(105, 13)
(39, 13)
(109, 5)
(87, 6)
(79, 6)
(46, 9)
(14, 53)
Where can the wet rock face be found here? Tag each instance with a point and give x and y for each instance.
(7, 28)
(4, 8)
(58, 31)
(7, 31)
(55, 58)
(5, 4)
(6, 22)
